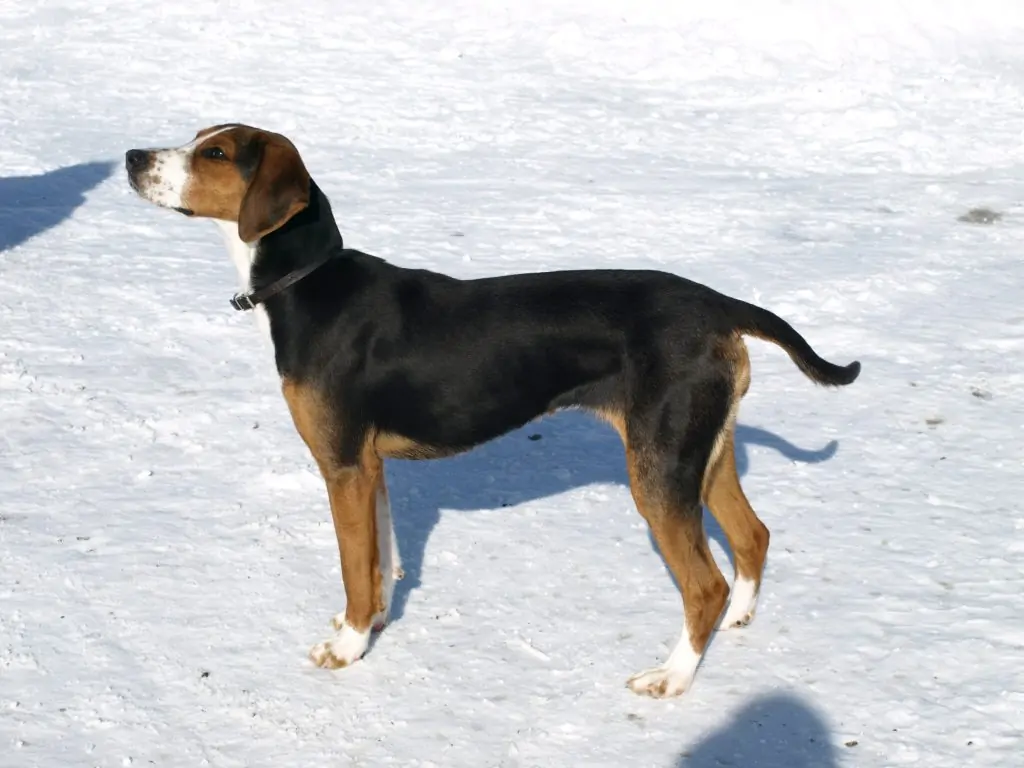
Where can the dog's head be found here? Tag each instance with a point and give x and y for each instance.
(227, 172)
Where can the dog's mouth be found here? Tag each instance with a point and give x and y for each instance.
(143, 191)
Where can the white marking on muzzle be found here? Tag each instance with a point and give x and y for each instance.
(165, 181)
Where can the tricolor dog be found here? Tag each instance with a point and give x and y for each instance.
(378, 361)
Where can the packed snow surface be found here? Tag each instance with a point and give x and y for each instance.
(166, 550)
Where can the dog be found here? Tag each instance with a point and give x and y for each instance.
(377, 361)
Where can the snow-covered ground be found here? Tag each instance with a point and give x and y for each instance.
(166, 552)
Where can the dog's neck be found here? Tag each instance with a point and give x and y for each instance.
(242, 254)
(305, 238)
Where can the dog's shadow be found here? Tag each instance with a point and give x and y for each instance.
(776, 730)
(550, 456)
(30, 205)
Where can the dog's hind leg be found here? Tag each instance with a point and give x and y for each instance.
(747, 535)
(666, 472)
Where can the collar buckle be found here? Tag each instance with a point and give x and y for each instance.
(242, 302)
(246, 301)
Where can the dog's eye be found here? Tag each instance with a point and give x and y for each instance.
(214, 153)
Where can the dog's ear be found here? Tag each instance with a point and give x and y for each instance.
(278, 188)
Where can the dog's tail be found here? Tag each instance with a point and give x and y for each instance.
(762, 324)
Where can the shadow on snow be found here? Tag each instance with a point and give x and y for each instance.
(30, 205)
(574, 450)
(774, 731)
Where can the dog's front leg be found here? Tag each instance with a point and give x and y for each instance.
(388, 559)
(353, 493)
(354, 488)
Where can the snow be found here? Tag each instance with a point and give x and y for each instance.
(166, 552)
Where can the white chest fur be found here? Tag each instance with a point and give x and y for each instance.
(242, 255)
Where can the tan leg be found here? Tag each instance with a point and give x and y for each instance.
(388, 558)
(679, 532)
(353, 493)
(747, 535)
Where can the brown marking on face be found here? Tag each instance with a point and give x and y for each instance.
(352, 491)
(260, 182)
(216, 187)
(215, 129)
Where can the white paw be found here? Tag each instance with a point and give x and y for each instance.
(660, 683)
(742, 605)
(342, 650)
(674, 676)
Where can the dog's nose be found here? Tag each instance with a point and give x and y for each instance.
(135, 159)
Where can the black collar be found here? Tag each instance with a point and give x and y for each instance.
(246, 301)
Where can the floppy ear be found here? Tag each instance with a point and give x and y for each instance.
(278, 190)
